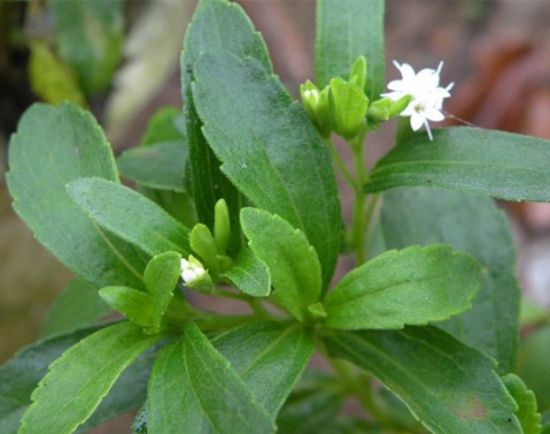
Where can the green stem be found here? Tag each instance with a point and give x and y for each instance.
(358, 219)
(371, 207)
(341, 165)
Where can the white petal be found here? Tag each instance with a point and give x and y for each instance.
(409, 110)
(398, 85)
(434, 115)
(428, 79)
(188, 275)
(407, 71)
(394, 96)
(417, 120)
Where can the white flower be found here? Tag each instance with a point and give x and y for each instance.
(191, 270)
(427, 96)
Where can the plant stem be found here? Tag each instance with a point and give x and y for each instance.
(341, 165)
(371, 207)
(358, 219)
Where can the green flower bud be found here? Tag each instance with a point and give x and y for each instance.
(348, 107)
(222, 228)
(358, 72)
(195, 277)
(316, 104)
(379, 111)
(385, 109)
(316, 311)
(396, 107)
(203, 244)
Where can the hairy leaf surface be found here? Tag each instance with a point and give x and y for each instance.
(250, 275)
(78, 306)
(449, 387)
(194, 389)
(129, 215)
(345, 31)
(268, 146)
(269, 358)
(469, 159)
(471, 224)
(158, 166)
(52, 147)
(293, 264)
(78, 381)
(413, 286)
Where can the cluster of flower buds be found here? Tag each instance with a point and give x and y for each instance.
(343, 107)
(211, 249)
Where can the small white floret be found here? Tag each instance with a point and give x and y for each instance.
(191, 270)
(427, 95)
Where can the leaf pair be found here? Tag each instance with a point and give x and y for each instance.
(413, 286)
(206, 393)
(147, 308)
(253, 350)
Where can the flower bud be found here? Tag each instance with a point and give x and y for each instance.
(195, 276)
(203, 244)
(348, 107)
(358, 72)
(316, 104)
(222, 228)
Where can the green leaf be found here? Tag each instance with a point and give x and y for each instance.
(269, 357)
(413, 286)
(250, 275)
(293, 264)
(345, 32)
(164, 127)
(178, 205)
(129, 215)
(449, 387)
(469, 159)
(78, 306)
(269, 147)
(527, 413)
(208, 183)
(312, 407)
(474, 225)
(135, 305)
(532, 365)
(52, 147)
(193, 389)
(158, 166)
(20, 375)
(78, 381)
(161, 276)
(51, 79)
(89, 37)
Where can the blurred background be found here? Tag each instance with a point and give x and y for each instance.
(120, 60)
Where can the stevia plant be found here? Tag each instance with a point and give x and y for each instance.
(236, 198)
